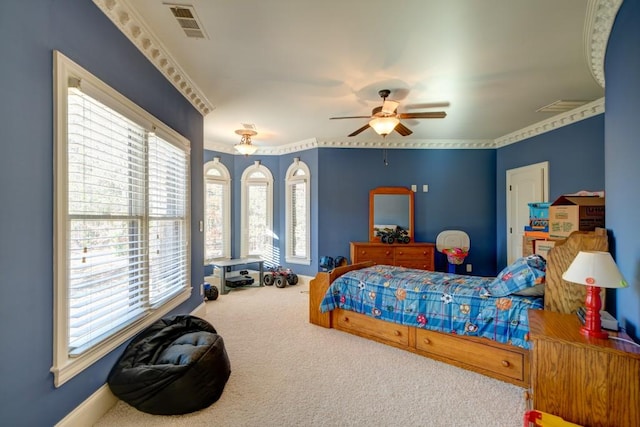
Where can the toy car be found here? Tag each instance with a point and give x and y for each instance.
(390, 236)
(280, 277)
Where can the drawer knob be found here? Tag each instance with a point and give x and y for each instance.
(387, 253)
(506, 363)
(397, 333)
(401, 253)
(427, 341)
(346, 319)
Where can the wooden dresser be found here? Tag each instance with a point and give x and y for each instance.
(588, 381)
(410, 255)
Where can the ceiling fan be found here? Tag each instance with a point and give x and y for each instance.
(385, 119)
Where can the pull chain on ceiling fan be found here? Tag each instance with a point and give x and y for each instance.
(385, 119)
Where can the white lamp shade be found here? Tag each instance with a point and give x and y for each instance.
(594, 268)
(246, 149)
(384, 125)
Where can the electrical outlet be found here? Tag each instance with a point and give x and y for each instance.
(469, 268)
(425, 188)
(201, 289)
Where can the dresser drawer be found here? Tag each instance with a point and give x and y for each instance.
(361, 324)
(413, 252)
(500, 361)
(377, 254)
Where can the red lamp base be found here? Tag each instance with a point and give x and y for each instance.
(592, 326)
(594, 334)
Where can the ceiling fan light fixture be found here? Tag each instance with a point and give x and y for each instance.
(384, 125)
(245, 146)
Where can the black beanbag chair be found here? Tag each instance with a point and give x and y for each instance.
(177, 365)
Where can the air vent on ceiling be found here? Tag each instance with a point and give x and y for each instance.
(188, 20)
(560, 106)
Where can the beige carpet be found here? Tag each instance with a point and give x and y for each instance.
(287, 372)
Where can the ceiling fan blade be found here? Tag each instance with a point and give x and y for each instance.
(389, 107)
(425, 115)
(350, 117)
(402, 129)
(363, 128)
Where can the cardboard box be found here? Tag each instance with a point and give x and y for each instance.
(575, 213)
(542, 247)
(527, 245)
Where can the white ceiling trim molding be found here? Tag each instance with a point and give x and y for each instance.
(564, 119)
(600, 17)
(408, 144)
(577, 114)
(132, 25)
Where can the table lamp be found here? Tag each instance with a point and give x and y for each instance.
(594, 270)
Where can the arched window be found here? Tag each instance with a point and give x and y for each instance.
(257, 213)
(298, 209)
(217, 211)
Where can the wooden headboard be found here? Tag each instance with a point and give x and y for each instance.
(560, 295)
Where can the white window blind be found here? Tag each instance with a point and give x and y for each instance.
(127, 219)
(298, 225)
(257, 214)
(217, 211)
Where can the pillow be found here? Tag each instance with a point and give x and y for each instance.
(524, 277)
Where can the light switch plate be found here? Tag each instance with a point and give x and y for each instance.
(425, 188)
(414, 188)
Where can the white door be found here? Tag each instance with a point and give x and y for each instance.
(525, 185)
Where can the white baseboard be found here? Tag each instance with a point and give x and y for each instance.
(99, 403)
(91, 410)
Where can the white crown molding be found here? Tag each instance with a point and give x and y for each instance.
(132, 25)
(599, 21)
(577, 114)
(564, 119)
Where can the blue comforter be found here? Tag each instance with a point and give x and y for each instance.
(437, 301)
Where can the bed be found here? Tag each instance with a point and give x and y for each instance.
(468, 321)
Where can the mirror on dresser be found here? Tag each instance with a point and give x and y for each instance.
(390, 206)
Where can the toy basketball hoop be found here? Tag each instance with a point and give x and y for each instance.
(455, 245)
(455, 255)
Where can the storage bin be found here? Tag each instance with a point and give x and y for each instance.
(539, 210)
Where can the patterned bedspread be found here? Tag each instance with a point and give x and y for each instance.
(437, 301)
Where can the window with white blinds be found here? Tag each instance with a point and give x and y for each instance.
(257, 214)
(217, 208)
(298, 225)
(122, 255)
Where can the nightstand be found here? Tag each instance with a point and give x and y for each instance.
(591, 382)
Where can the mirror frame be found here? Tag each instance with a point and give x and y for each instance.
(390, 191)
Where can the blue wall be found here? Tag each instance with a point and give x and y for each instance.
(461, 196)
(84, 34)
(622, 158)
(575, 154)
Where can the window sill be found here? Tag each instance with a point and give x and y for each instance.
(68, 368)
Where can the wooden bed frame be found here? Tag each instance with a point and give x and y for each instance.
(501, 361)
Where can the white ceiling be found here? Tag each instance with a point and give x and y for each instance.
(287, 66)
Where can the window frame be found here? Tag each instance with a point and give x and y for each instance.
(225, 181)
(247, 181)
(65, 366)
(291, 180)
